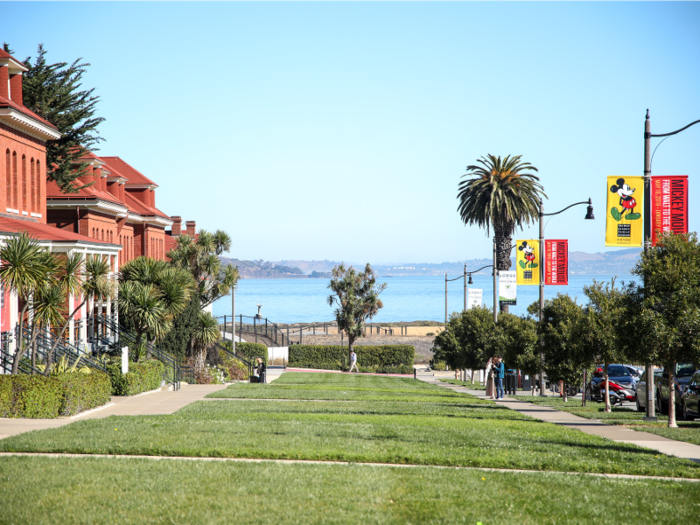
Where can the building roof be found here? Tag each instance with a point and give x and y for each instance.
(43, 232)
(139, 207)
(54, 192)
(130, 173)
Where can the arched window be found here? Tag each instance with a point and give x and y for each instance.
(8, 180)
(24, 183)
(14, 180)
(38, 186)
(32, 193)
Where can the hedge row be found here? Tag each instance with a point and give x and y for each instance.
(141, 377)
(388, 359)
(251, 350)
(40, 397)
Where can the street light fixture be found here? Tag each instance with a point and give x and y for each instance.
(466, 282)
(589, 216)
(651, 410)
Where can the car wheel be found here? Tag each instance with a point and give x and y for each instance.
(639, 407)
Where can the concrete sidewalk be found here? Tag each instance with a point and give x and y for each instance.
(615, 433)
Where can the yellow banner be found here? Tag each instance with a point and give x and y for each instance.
(624, 223)
(527, 262)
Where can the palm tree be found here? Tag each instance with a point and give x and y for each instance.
(151, 294)
(499, 193)
(205, 334)
(48, 310)
(90, 280)
(200, 257)
(25, 267)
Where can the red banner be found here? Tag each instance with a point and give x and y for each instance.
(556, 261)
(669, 205)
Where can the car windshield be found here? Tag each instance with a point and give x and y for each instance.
(618, 371)
(684, 370)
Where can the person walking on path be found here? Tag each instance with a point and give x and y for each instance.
(500, 372)
(261, 370)
(490, 390)
(353, 362)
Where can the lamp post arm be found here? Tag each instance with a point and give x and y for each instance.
(673, 132)
(561, 211)
(482, 268)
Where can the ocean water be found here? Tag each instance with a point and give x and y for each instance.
(410, 298)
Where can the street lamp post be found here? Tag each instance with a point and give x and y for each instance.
(589, 216)
(233, 317)
(464, 276)
(651, 409)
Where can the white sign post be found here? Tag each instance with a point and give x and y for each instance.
(475, 298)
(125, 360)
(507, 288)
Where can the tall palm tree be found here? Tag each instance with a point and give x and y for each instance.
(25, 267)
(205, 334)
(200, 257)
(501, 194)
(88, 279)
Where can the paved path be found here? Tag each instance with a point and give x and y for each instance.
(589, 426)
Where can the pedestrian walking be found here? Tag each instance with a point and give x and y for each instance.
(261, 368)
(500, 373)
(353, 362)
(490, 389)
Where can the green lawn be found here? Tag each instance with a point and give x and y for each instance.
(380, 419)
(101, 490)
(469, 384)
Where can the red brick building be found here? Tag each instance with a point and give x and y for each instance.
(119, 207)
(23, 136)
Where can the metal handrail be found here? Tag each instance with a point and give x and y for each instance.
(233, 355)
(102, 325)
(45, 339)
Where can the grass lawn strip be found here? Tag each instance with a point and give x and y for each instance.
(117, 490)
(464, 431)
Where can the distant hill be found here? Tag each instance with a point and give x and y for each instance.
(618, 262)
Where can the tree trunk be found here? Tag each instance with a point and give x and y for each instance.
(672, 396)
(608, 408)
(49, 357)
(351, 345)
(19, 349)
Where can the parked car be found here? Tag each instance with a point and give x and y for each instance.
(641, 393)
(634, 371)
(621, 376)
(595, 390)
(684, 371)
(690, 402)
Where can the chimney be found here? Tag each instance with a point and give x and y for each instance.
(122, 189)
(16, 88)
(87, 177)
(191, 228)
(101, 182)
(177, 225)
(152, 198)
(4, 82)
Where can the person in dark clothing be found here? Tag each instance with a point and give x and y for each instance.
(499, 374)
(261, 370)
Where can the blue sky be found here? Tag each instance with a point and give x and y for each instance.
(340, 130)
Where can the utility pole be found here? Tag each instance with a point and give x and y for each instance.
(445, 298)
(541, 260)
(465, 287)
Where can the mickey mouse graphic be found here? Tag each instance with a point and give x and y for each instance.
(627, 202)
(528, 254)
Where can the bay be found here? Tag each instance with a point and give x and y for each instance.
(407, 298)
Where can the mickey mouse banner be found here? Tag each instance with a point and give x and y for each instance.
(624, 223)
(669, 205)
(527, 262)
(556, 261)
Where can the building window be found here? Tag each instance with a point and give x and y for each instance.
(32, 193)
(24, 182)
(14, 180)
(8, 180)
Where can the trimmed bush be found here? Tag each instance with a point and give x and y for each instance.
(234, 369)
(36, 397)
(142, 377)
(386, 359)
(252, 350)
(84, 391)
